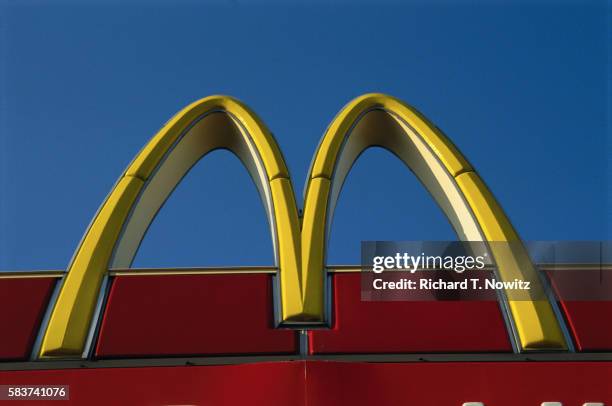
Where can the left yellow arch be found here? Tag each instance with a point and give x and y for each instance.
(115, 233)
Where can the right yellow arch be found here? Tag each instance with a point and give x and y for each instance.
(381, 120)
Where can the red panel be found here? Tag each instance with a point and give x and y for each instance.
(320, 383)
(408, 326)
(23, 302)
(589, 322)
(448, 384)
(191, 315)
(585, 297)
(263, 384)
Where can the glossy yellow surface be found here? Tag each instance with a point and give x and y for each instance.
(300, 244)
(313, 246)
(68, 325)
(288, 225)
(535, 321)
(330, 146)
(148, 159)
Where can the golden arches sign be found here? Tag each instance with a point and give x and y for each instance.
(299, 243)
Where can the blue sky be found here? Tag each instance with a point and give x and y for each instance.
(521, 88)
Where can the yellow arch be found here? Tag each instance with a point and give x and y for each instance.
(381, 120)
(117, 229)
(222, 122)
